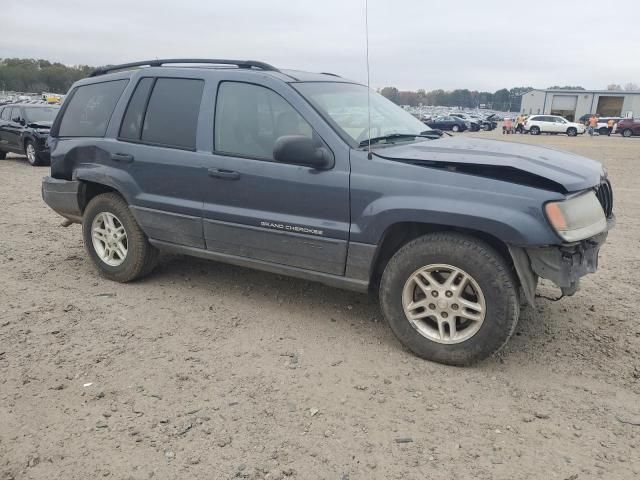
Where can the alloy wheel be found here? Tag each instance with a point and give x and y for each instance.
(109, 239)
(444, 303)
(31, 153)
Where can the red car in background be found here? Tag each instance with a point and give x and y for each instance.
(628, 127)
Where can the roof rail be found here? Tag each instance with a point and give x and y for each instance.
(158, 63)
(332, 74)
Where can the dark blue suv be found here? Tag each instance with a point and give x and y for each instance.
(315, 176)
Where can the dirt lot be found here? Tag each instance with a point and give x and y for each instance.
(205, 370)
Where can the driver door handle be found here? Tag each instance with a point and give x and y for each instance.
(223, 174)
(122, 157)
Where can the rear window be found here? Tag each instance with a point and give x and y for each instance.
(90, 108)
(172, 113)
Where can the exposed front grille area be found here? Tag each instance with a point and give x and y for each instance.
(605, 197)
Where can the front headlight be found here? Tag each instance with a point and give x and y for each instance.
(577, 218)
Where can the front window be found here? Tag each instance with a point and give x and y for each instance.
(250, 119)
(344, 105)
(41, 114)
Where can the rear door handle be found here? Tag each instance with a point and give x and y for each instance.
(223, 174)
(122, 157)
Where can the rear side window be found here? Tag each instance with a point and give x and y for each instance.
(132, 122)
(172, 113)
(90, 108)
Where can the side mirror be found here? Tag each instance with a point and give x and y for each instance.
(301, 150)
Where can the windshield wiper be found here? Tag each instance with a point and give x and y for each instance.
(392, 136)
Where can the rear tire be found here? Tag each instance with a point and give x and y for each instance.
(139, 257)
(455, 128)
(572, 132)
(534, 130)
(487, 272)
(627, 132)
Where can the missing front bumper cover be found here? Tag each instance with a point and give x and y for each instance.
(564, 265)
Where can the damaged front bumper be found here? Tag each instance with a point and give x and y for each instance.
(563, 264)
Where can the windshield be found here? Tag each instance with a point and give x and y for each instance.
(41, 114)
(344, 105)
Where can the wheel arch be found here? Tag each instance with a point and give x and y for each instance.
(89, 190)
(399, 234)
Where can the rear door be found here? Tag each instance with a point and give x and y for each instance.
(257, 208)
(546, 124)
(156, 148)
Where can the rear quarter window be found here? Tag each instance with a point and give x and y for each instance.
(90, 108)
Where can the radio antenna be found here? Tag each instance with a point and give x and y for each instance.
(366, 30)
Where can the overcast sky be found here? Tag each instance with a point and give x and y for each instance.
(483, 45)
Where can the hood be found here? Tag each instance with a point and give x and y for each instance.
(539, 167)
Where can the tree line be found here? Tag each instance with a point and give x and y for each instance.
(37, 76)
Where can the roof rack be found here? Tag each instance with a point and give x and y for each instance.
(248, 64)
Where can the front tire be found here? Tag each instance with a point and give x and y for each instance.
(115, 242)
(627, 132)
(450, 298)
(534, 130)
(455, 128)
(33, 157)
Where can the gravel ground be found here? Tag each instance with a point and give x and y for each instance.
(205, 370)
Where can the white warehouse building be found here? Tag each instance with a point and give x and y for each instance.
(573, 104)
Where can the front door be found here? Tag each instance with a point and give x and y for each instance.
(268, 211)
(12, 129)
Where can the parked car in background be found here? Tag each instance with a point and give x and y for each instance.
(24, 129)
(489, 123)
(628, 127)
(553, 124)
(474, 123)
(454, 124)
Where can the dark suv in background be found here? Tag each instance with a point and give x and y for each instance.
(24, 129)
(314, 176)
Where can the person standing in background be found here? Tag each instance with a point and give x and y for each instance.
(610, 123)
(593, 123)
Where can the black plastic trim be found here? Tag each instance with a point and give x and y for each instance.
(325, 278)
(248, 64)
